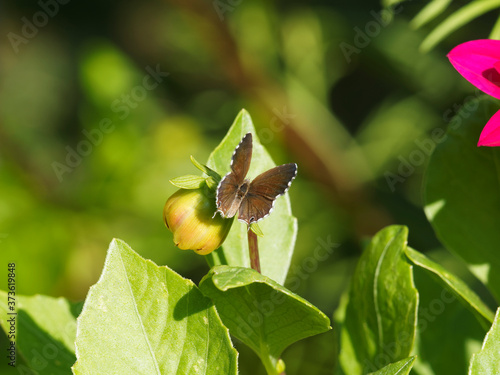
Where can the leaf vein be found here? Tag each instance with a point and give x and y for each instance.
(151, 352)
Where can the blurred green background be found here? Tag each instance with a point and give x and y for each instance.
(349, 119)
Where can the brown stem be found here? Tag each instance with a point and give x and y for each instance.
(253, 247)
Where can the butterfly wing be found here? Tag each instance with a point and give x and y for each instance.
(240, 161)
(254, 208)
(228, 200)
(263, 191)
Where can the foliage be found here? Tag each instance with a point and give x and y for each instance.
(394, 231)
(156, 305)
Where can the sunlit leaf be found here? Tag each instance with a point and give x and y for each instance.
(402, 367)
(430, 12)
(208, 171)
(487, 361)
(188, 182)
(382, 309)
(144, 319)
(458, 19)
(260, 312)
(280, 228)
(453, 283)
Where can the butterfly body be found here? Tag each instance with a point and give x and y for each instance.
(234, 205)
(254, 200)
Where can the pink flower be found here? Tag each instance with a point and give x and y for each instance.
(478, 61)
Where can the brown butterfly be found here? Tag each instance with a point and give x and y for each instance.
(254, 200)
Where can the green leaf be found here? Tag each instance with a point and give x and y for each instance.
(212, 183)
(45, 333)
(260, 312)
(402, 367)
(143, 319)
(382, 309)
(487, 361)
(458, 19)
(455, 285)
(280, 228)
(188, 182)
(254, 227)
(462, 192)
(429, 12)
(448, 334)
(208, 171)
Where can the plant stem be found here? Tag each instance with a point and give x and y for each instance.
(253, 247)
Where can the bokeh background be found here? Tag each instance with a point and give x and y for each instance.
(348, 100)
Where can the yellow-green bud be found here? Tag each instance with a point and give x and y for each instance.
(189, 216)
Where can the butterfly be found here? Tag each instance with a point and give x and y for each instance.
(254, 200)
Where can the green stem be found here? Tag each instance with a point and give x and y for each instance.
(270, 364)
(253, 247)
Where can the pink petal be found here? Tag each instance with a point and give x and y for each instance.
(478, 62)
(490, 136)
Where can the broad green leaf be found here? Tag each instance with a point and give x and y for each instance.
(455, 285)
(462, 192)
(487, 361)
(458, 19)
(380, 317)
(45, 333)
(448, 333)
(430, 12)
(260, 312)
(144, 319)
(402, 367)
(280, 228)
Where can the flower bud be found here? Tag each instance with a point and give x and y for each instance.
(188, 214)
